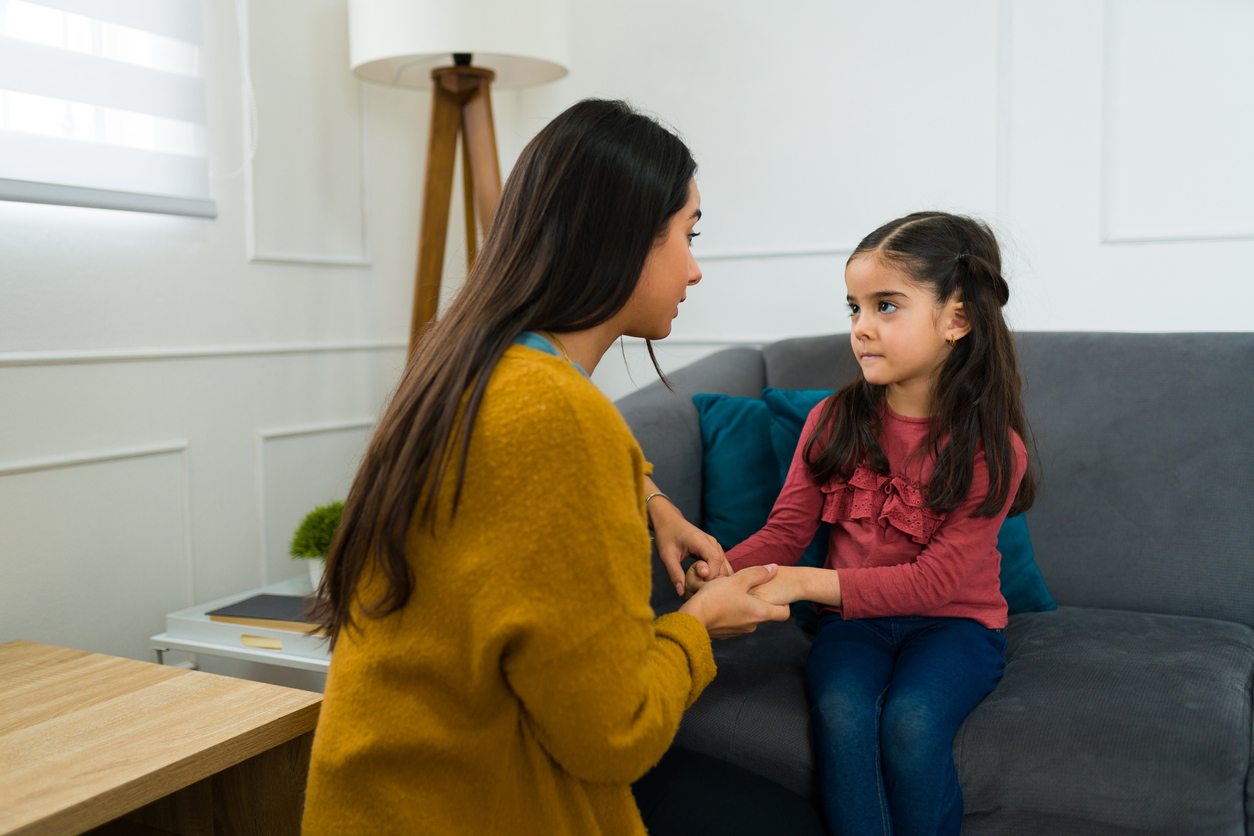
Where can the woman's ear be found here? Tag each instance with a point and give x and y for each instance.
(958, 326)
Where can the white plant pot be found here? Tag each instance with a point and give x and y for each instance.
(315, 571)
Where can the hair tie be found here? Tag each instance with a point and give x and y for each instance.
(962, 256)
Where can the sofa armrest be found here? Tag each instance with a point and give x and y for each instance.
(665, 424)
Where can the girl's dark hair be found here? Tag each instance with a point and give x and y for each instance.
(582, 208)
(977, 394)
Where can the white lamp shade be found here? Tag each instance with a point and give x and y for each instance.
(401, 41)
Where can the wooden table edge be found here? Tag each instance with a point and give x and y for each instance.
(158, 783)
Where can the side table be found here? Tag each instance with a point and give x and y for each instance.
(92, 741)
(191, 631)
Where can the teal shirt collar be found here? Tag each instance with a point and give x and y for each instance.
(531, 339)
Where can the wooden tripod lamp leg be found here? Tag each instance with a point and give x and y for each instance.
(468, 192)
(437, 192)
(481, 151)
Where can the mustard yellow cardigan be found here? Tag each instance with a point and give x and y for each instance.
(526, 684)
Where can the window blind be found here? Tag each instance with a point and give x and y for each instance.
(102, 104)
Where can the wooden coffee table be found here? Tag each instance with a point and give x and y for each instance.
(91, 741)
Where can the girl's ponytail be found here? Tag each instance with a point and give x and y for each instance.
(977, 399)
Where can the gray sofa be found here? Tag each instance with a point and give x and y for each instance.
(1127, 710)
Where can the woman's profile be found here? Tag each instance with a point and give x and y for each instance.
(497, 667)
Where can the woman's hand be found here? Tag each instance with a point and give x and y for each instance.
(727, 606)
(676, 539)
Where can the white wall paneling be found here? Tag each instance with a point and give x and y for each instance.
(298, 469)
(306, 188)
(117, 328)
(135, 355)
(77, 554)
(1178, 121)
(787, 252)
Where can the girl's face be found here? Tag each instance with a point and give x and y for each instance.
(668, 272)
(899, 333)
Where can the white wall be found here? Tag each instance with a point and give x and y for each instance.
(1106, 142)
(174, 391)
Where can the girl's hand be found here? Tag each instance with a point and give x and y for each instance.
(802, 583)
(700, 573)
(676, 539)
(784, 588)
(727, 606)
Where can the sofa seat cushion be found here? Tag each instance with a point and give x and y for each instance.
(755, 714)
(1109, 721)
(1105, 722)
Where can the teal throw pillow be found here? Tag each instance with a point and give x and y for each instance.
(739, 471)
(1022, 585)
(789, 410)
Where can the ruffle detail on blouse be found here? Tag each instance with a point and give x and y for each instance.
(890, 500)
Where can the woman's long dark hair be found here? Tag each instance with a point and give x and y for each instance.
(583, 206)
(977, 393)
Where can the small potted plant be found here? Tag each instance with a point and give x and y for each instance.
(312, 539)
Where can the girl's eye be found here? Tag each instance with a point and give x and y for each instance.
(853, 310)
(887, 307)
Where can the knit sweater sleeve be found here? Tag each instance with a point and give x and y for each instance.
(602, 684)
(943, 566)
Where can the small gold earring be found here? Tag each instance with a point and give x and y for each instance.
(952, 340)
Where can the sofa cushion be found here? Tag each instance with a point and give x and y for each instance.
(1147, 493)
(1105, 722)
(754, 714)
(1112, 722)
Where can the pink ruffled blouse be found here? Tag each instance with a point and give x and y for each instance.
(894, 555)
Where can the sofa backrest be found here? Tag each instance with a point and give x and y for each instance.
(1146, 443)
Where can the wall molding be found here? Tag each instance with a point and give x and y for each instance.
(75, 357)
(179, 448)
(315, 429)
(293, 431)
(255, 256)
(1172, 239)
(36, 465)
(752, 340)
(1104, 155)
(822, 250)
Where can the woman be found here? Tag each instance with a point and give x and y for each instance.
(497, 666)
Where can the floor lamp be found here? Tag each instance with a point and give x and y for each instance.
(458, 50)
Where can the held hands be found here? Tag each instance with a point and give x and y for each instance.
(784, 588)
(728, 606)
(702, 572)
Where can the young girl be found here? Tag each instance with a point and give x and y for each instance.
(916, 463)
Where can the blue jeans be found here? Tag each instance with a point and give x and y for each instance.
(886, 697)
